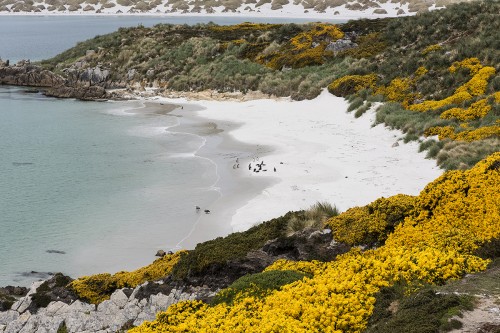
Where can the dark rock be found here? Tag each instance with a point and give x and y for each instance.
(14, 291)
(55, 251)
(202, 292)
(25, 74)
(10, 294)
(160, 253)
(308, 244)
(53, 289)
(92, 93)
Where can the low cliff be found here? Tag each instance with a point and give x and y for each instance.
(26, 74)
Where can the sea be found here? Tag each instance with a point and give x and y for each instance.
(90, 187)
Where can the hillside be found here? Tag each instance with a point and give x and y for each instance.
(437, 73)
(305, 8)
(413, 264)
(426, 263)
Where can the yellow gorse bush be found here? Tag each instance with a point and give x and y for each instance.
(304, 49)
(453, 216)
(476, 86)
(350, 84)
(431, 48)
(448, 132)
(478, 109)
(98, 288)
(318, 33)
(371, 223)
(400, 90)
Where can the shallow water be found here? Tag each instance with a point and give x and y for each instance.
(102, 185)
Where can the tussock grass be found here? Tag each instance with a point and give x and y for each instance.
(312, 218)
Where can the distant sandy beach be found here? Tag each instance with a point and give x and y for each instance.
(320, 153)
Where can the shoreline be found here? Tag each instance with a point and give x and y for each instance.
(222, 150)
(327, 155)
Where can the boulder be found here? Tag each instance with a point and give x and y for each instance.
(160, 253)
(8, 316)
(340, 45)
(119, 298)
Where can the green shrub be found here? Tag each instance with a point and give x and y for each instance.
(362, 110)
(234, 246)
(356, 103)
(257, 285)
(422, 312)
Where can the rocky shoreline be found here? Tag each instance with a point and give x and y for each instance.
(125, 308)
(26, 74)
(50, 306)
(94, 85)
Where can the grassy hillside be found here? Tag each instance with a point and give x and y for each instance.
(437, 73)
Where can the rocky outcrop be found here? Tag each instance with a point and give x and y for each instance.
(341, 45)
(50, 305)
(9, 295)
(83, 93)
(79, 84)
(80, 76)
(25, 74)
(308, 244)
(125, 308)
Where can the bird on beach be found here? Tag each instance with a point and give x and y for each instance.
(197, 208)
(207, 211)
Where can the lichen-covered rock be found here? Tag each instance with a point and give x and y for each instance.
(119, 298)
(8, 316)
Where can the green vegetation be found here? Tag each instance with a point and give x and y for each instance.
(62, 328)
(6, 302)
(437, 72)
(218, 251)
(314, 217)
(422, 312)
(256, 285)
(223, 58)
(429, 74)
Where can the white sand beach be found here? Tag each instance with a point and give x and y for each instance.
(320, 152)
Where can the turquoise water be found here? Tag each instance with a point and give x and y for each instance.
(106, 187)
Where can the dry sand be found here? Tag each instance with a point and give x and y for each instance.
(320, 152)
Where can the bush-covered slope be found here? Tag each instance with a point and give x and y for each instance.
(453, 217)
(437, 72)
(224, 58)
